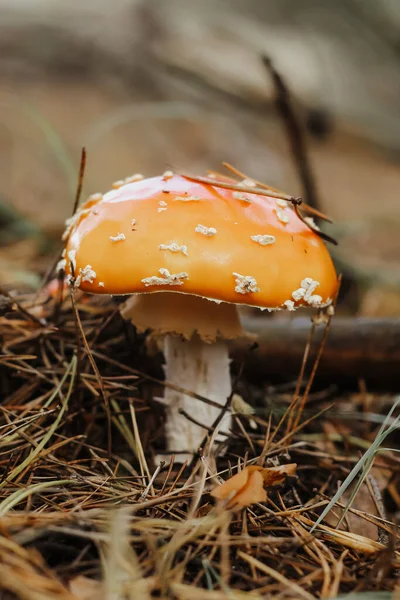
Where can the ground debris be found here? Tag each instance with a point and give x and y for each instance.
(77, 520)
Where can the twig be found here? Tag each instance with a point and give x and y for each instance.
(301, 374)
(233, 185)
(152, 480)
(82, 167)
(265, 190)
(317, 359)
(95, 369)
(295, 134)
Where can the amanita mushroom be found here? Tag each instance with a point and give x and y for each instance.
(189, 253)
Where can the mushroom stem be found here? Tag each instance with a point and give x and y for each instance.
(204, 369)
(194, 331)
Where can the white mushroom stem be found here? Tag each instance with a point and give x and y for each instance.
(202, 368)
(196, 359)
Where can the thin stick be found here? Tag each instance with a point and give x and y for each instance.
(219, 418)
(304, 206)
(21, 309)
(321, 234)
(264, 451)
(163, 383)
(95, 369)
(82, 167)
(144, 469)
(46, 278)
(317, 359)
(244, 176)
(265, 190)
(301, 375)
(241, 188)
(294, 132)
(166, 479)
(183, 412)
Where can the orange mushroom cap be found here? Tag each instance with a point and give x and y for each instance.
(170, 234)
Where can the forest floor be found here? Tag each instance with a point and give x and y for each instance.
(86, 512)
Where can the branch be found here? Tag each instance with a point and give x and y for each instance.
(357, 347)
(295, 134)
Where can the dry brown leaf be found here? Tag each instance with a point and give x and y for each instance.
(247, 486)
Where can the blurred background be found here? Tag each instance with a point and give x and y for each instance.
(148, 85)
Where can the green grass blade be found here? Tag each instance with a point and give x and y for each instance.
(364, 464)
(20, 495)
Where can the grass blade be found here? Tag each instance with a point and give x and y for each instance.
(36, 451)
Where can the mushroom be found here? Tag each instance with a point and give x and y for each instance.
(189, 253)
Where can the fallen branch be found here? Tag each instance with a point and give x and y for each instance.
(357, 347)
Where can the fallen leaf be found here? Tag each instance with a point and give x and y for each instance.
(247, 486)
